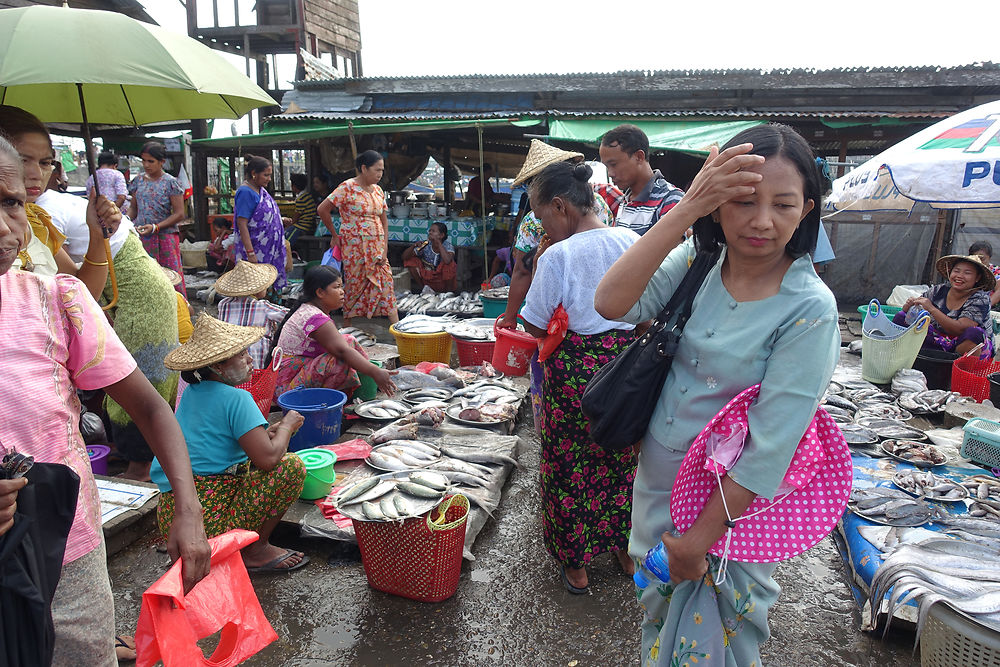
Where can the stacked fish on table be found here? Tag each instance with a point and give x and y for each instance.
(464, 303)
(925, 484)
(960, 574)
(891, 506)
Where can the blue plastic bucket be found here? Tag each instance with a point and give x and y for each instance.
(322, 410)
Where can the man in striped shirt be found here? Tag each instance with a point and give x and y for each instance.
(647, 195)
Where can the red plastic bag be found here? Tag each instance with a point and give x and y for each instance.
(171, 623)
(428, 366)
(556, 331)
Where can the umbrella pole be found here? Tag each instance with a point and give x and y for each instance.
(91, 167)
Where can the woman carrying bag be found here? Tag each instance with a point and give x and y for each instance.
(761, 316)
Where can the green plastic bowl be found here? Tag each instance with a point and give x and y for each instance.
(320, 474)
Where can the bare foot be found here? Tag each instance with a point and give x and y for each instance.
(265, 555)
(137, 471)
(628, 565)
(577, 576)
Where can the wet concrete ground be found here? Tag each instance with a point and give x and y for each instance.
(511, 606)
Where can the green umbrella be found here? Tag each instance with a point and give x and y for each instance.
(130, 73)
(85, 66)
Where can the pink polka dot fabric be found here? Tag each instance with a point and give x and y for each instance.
(821, 472)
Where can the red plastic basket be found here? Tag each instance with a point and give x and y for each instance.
(420, 558)
(968, 377)
(262, 383)
(474, 352)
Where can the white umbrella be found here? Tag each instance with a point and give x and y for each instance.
(954, 163)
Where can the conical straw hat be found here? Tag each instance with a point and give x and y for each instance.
(986, 279)
(246, 279)
(541, 155)
(211, 342)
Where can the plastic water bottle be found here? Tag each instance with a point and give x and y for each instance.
(912, 314)
(655, 564)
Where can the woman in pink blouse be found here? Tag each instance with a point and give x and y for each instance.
(54, 339)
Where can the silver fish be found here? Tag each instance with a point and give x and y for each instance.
(372, 511)
(418, 490)
(381, 488)
(387, 462)
(478, 455)
(356, 490)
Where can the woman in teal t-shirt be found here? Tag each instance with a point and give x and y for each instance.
(244, 474)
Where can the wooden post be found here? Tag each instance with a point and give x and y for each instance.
(449, 186)
(350, 136)
(841, 168)
(199, 179)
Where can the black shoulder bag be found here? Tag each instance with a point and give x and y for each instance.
(620, 398)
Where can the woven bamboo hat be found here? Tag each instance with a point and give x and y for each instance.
(172, 276)
(246, 279)
(987, 281)
(211, 342)
(541, 155)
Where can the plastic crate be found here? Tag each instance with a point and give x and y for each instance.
(414, 348)
(981, 442)
(888, 310)
(952, 639)
(474, 352)
(968, 377)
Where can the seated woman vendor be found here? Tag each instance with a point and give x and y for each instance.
(315, 353)
(243, 472)
(959, 308)
(432, 262)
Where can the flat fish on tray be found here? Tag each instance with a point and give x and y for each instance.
(856, 434)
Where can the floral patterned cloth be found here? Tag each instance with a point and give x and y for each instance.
(152, 199)
(165, 248)
(244, 500)
(530, 232)
(694, 622)
(586, 490)
(267, 234)
(368, 290)
(305, 362)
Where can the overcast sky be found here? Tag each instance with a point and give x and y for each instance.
(421, 37)
(428, 37)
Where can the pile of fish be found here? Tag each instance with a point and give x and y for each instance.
(485, 401)
(919, 454)
(891, 507)
(985, 494)
(496, 292)
(467, 331)
(930, 401)
(385, 409)
(483, 371)
(465, 303)
(393, 499)
(423, 394)
(364, 339)
(397, 455)
(423, 324)
(925, 484)
(962, 575)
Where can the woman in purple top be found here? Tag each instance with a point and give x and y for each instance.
(157, 206)
(260, 234)
(110, 181)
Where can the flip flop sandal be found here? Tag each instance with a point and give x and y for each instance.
(123, 651)
(272, 566)
(570, 587)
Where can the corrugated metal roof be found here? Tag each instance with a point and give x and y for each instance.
(982, 66)
(597, 113)
(465, 101)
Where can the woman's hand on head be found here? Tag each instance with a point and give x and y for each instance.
(723, 177)
(684, 563)
(102, 211)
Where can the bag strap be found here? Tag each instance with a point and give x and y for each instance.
(682, 300)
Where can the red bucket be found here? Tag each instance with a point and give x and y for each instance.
(512, 354)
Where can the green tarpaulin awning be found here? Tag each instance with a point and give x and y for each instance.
(688, 136)
(275, 134)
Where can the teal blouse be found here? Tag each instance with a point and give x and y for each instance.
(788, 342)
